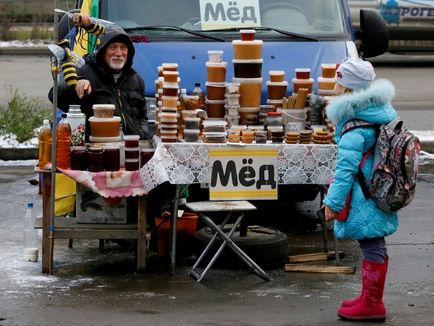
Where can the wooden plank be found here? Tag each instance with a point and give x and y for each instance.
(141, 235)
(63, 223)
(316, 256)
(320, 269)
(95, 234)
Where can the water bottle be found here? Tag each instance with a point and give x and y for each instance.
(77, 121)
(198, 91)
(30, 235)
(63, 149)
(44, 147)
(152, 112)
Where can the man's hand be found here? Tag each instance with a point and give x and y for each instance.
(83, 88)
(330, 214)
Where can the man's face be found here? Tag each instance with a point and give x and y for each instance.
(116, 55)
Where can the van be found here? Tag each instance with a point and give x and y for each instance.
(410, 23)
(295, 34)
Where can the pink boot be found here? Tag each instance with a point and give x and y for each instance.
(354, 301)
(370, 306)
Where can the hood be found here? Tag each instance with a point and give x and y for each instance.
(112, 34)
(372, 104)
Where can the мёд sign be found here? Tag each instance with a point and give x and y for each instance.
(243, 173)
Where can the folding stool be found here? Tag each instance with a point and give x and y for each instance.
(202, 208)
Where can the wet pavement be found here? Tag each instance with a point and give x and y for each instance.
(90, 288)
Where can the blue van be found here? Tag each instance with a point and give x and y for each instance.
(296, 33)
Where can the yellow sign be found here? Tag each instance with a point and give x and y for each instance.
(243, 174)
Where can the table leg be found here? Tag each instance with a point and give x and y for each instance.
(323, 222)
(141, 235)
(173, 222)
(47, 245)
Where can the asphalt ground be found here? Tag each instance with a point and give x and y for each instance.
(90, 288)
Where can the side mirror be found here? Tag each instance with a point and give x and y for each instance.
(374, 35)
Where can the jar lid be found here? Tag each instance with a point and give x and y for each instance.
(95, 149)
(247, 61)
(131, 137)
(274, 114)
(212, 84)
(302, 69)
(254, 42)
(283, 83)
(276, 72)
(103, 106)
(216, 64)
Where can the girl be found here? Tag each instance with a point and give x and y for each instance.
(360, 98)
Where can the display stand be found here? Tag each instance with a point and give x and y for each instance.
(67, 228)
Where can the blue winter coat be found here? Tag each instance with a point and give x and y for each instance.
(365, 220)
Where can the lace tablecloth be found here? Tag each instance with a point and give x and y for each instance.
(109, 184)
(187, 163)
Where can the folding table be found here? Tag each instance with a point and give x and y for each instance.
(231, 207)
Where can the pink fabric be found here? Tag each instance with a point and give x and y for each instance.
(109, 184)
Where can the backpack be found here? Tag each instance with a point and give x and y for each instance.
(392, 183)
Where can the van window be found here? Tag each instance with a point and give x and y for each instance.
(309, 17)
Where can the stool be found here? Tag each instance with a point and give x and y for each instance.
(223, 206)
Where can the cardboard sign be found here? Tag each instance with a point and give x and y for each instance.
(243, 174)
(228, 14)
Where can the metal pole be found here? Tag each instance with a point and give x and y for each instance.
(54, 73)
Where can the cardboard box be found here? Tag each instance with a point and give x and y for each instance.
(93, 208)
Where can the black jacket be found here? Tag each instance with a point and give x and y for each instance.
(127, 94)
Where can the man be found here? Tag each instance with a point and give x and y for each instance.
(108, 78)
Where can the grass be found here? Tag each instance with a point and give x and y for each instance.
(24, 34)
(21, 116)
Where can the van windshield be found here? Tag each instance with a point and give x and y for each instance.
(316, 18)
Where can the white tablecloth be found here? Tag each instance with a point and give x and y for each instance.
(187, 163)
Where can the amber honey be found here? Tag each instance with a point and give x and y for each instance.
(105, 127)
(247, 49)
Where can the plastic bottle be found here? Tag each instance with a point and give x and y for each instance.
(30, 235)
(182, 99)
(63, 150)
(77, 121)
(198, 91)
(45, 138)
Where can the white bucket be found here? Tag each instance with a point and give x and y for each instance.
(294, 119)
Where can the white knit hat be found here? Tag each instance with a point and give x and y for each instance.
(354, 73)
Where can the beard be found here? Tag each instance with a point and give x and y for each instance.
(116, 64)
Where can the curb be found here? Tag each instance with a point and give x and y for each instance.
(18, 154)
(43, 50)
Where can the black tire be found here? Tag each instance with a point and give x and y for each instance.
(263, 244)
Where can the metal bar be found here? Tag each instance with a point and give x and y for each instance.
(173, 222)
(238, 250)
(208, 246)
(54, 72)
(222, 246)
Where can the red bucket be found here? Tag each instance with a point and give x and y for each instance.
(185, 230)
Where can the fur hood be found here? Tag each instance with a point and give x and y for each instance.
(358, 104)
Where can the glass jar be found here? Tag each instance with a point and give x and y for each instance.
(95, 159)
(79, 158)
(112, 161)
(274, 119)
